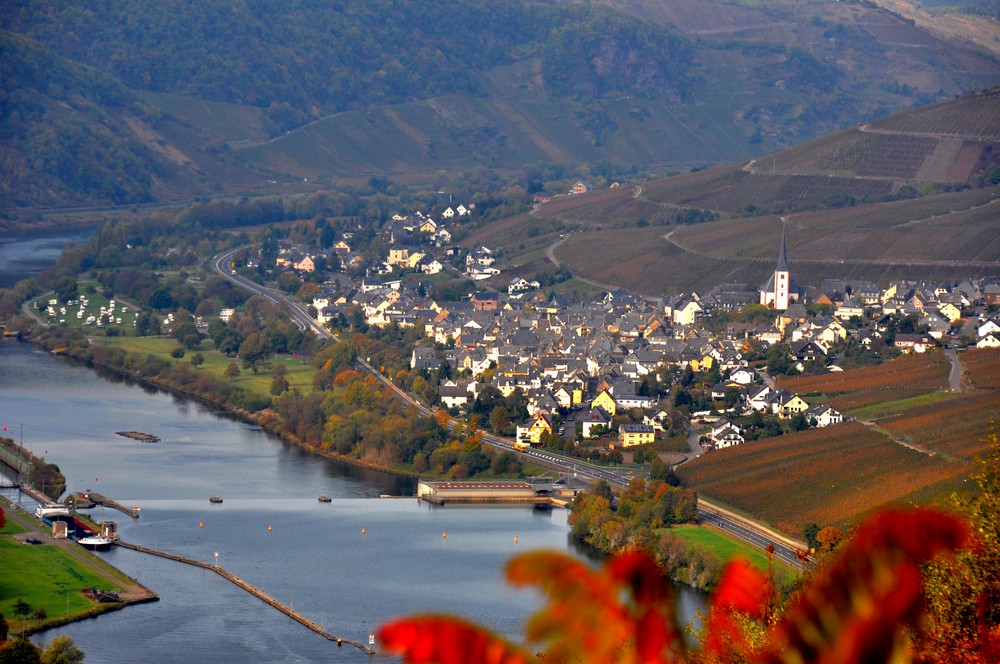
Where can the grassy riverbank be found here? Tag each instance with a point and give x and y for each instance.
(298, 374)
(48, 577)
(726, 548)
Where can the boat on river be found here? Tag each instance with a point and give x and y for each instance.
(95, 542)
(49, 511)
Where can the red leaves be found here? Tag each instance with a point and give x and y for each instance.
(852, 611)
(445, 640)
(742, 589)
(856, 608)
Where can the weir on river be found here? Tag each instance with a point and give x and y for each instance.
(253, 590)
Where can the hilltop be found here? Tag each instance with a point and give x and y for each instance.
(914, 194)
(129, 103)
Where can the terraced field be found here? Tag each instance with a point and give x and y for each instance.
(915, 444)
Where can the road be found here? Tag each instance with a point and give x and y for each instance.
(955, 375)
(745, 529)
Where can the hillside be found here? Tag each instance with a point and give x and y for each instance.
(221, 97)
(914, 194)
(912, 441)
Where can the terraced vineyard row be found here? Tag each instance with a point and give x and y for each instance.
(905, 377)
(982, 368)
(884, 155)
(953, 427)
(828, 476)
(971, 117)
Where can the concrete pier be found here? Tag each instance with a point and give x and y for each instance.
(253, 590)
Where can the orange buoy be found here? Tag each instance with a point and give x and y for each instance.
(201, 524)
(268, 527)
(515, 539)
(444, 535)
(363, 531)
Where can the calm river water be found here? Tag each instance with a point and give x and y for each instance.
(26, 253)
(313, 557)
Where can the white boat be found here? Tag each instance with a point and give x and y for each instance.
(49, 511)
(95, 542)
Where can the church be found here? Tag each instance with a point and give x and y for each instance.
(780, 290)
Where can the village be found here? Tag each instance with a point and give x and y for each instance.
(562, 370)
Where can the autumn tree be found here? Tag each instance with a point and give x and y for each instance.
(828, 538)
(232, 371)
(62, 650)
(964, 592)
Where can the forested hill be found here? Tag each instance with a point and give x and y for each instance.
(129, 101)
(320, 57)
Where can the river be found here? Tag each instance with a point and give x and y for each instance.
(349, 565)
(26, 253)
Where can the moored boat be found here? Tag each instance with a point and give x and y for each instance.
(95, 542)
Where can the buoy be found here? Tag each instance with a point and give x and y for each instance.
(515, 539)
(201, 524)
(444, 535)
(268, 527)
(363, 531)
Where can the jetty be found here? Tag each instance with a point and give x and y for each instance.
(140, 436)
(253, 590)
(99, 499)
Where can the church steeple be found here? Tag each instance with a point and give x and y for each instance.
(777, 292)
(782, 257)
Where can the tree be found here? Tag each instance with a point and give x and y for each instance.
(177, 353)
(3, 519)
(187, 334)
(659, 470)
(232, 372)
(810, 531)
(828, 538)
(65, 288)
(499, 419)
(62, 650)
(279, 384)
(22, 610)
(4, 629)
(160, 299)
(197, 360)
(255, 351)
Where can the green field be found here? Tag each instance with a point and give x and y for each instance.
(299, 374)
(728, 548)
(45, 577)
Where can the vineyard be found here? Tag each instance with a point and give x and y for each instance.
(828, 476)
(973, 117)
(951, 427)
(982, 368)
(902, 378)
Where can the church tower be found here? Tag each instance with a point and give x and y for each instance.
(777, 292)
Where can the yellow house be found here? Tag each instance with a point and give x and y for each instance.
(636, 434)
(703, 363)
(532, 433)
(306, 265)
(605, 401)
(793, 406)
(950, 311)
